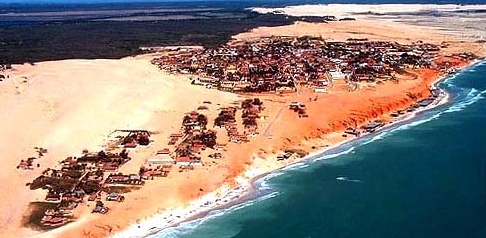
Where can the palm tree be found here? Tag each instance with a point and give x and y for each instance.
(203, 120)
(186, 119)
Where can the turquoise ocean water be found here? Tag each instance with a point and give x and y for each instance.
(421, 178)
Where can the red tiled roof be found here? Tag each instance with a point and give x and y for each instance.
(183, 159)
(164, 151)
(151, 173)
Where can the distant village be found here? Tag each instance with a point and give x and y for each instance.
(279, 64)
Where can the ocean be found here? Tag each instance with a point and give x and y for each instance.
(421, 178)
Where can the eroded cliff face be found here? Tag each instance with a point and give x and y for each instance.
(334, 112)
(329, 113)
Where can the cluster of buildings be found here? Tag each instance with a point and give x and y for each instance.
(186, 145)
(299, 108)
(85, 178)
(251, 109)
(278, 64)
(227, 119)
(135, 138)
(79, 179)
(251, 112)
(29, 162)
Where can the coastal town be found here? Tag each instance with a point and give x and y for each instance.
(271, 66)
(128, 147)
(282, 64)
(292, 64)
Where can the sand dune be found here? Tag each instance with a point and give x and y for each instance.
(67, 106)
(467, 21)
(354, 10)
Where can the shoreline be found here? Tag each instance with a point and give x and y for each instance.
(249, 190)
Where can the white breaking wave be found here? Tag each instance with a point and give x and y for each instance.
(188, 227)
(263, 182)
(299, 165)
(448, 80)
(472, 97)
(348, 180)
(379, 136)
(324, 157)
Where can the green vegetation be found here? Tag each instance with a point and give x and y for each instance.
(56, 184)
(91, 39)
(34, 217)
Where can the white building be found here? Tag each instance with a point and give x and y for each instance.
(335, 75)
